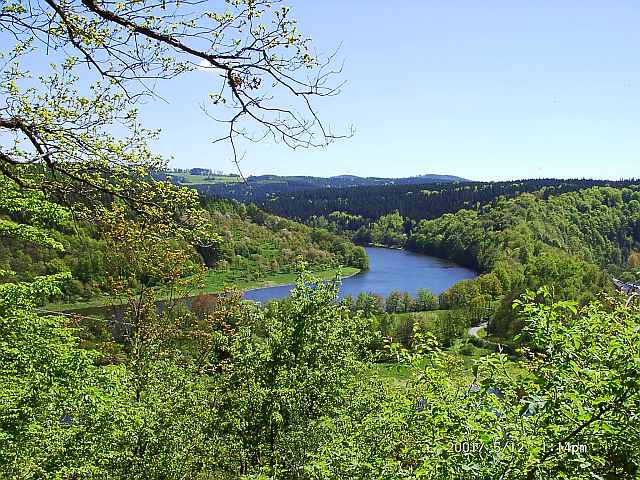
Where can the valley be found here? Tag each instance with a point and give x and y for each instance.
(406, 250)
(447, 310)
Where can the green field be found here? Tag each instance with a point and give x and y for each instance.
(189, 179)
(462, 353)
(461, 358)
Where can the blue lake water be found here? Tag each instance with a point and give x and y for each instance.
(388, 270)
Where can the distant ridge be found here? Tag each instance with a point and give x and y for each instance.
(259, 187)
(340, 181)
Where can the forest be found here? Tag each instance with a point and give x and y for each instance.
(257, 188)
(574, 243)
(180, 385)
(254, 246)
(414, 202)
(571, 243)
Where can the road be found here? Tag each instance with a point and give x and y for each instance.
(473, 331)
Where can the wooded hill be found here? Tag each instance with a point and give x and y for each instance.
(416, 202)
(255, 244)
(572, 243)
(569, 243)
(260, 187)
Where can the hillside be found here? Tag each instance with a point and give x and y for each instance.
(260, 187)
(415, 201)
(570, 244)
(255, 247)
(163, 323)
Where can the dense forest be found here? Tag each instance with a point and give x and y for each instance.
(572, 242)
(257, 188)
(565, 242)
(414, 202)
(310, 387)
(254, 245)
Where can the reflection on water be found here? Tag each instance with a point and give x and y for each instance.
(389, 270)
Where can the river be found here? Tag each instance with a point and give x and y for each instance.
(388, 270)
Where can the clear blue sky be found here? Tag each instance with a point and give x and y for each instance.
(484, 90)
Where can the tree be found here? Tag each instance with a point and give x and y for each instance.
(72, 138)
(459, 295)
(394, 302)
(408, 304)
(601, 381)
(425, 300)
(360, 259)
(634, 260)
(490, 285)
(370, 304)
(58, 127)
(388, 230)
(51, 391)
(289, 366)
(450, 326)
(573, 415)
(267, 79)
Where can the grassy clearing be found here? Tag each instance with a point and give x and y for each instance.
(426, 319)
(468, 353)
(462, 353)
(393, 374)
(216, 281)
(189, 179)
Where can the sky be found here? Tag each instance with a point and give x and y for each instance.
(491, 90)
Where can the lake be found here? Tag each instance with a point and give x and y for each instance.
(388, 270)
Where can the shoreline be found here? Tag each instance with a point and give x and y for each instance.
(405, 249)
(381, 245)
(289, 283)
(105, 302)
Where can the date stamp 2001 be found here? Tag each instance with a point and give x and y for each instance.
(468, 448)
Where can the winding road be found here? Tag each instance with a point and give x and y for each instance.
(473, 331)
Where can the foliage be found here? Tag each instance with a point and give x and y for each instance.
(425, 300)
(573, 416)
(260, 188)
(105, 56)
(241, 243)
(232, 390)
(414, 201)
(231, 393)
(387, 230)
(564, 242)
